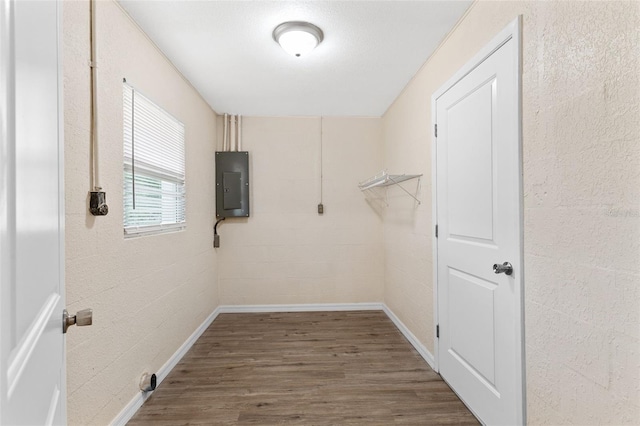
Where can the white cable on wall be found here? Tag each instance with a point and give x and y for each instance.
(95, 179)
(239, 133)
(225, 131)
(321, 162)
(232, 132)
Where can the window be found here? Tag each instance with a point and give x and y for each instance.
(154, 187)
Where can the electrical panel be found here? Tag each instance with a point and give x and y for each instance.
(232, 184)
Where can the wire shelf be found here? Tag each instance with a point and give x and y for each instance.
(383, 179)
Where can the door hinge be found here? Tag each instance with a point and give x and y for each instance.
(435, 130)
(438, 331)
(436, 231)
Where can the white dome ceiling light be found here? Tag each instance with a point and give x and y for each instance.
(298, 38)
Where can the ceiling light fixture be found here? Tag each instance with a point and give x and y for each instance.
(297, 38)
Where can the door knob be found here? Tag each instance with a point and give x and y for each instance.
(81, 318)
(505, 268)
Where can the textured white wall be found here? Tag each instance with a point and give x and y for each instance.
(287, 253)
(150, 293)
(581, 125)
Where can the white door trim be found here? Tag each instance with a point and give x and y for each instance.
(511, 32)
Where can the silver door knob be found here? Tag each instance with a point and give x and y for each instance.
(505, 268)
(81, 318)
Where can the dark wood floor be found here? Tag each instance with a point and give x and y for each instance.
(311, 368)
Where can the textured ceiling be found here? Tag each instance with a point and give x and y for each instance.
(370, 51)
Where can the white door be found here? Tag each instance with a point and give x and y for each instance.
(31, 218)
(478, 214)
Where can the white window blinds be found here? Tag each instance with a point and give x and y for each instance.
(154, 184)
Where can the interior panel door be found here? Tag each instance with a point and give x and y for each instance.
(32, 374)
(478, 214)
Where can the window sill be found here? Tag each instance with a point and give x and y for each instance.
(153, 230)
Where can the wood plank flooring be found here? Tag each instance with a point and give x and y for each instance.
(308, 368)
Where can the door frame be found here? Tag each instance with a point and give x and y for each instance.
(513, 31)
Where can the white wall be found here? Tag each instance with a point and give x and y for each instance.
(581, 97)
(148, 294)
(287, 253)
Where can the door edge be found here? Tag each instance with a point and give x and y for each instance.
(7, 191)
(62, 417)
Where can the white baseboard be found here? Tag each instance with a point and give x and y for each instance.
(132, 407)
(423, 351)
(311, 307)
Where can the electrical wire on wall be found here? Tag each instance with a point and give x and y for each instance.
(216, 237)
(97, 199)
(225, 132)
(95, 185)
(239, 133)
(231, 133)
(321, 205)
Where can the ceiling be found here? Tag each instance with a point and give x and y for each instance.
(371, 50)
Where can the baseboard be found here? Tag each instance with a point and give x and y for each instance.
(134, 405)
(422, 350)
(312, 307)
